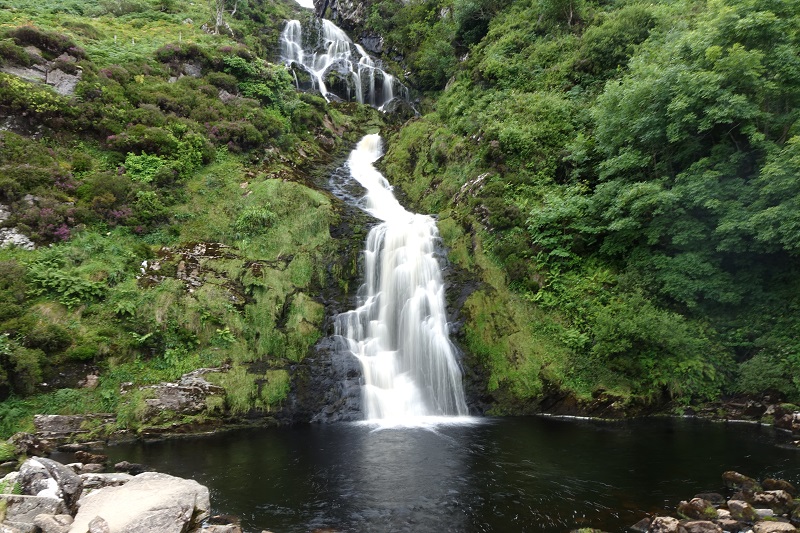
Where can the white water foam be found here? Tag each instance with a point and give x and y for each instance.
(333, 52)
(399, 332)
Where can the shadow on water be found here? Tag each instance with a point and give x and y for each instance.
(520, 474)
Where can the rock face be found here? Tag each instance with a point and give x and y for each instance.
(148, 502)
(65, 427)
(347, 14)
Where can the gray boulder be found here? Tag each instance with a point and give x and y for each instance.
(148, 502)
(22, 509)
(666, 524)
(49, 523)
(773, 527)
(44, 477)
(701, 526)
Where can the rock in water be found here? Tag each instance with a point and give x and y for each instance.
(148, 502)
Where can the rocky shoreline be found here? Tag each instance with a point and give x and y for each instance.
(751, 507)
(45, 496)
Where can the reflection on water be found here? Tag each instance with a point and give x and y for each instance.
(526, 474)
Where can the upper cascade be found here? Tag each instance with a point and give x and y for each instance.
(337, 67)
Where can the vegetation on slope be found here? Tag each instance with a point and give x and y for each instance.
(623, 179)
(174, 226)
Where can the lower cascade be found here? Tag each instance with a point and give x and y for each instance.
(399, 332)
(337, 66)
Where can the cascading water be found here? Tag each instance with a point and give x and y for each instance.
(399, 332)
(332, 56)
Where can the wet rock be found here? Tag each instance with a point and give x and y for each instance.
(779, 501)
(372, 44)
(45, 477)
(91, 468)
(698, 509)
(741, 510)
(737, 481)
(88, 457)
(49, 523)
(642, 526)
(133, 469)
(666, 524)
(701, 526)
(148, 502)
(716, 499)
(229, 528)
(729, 524)
(779, 484)
(773, 527)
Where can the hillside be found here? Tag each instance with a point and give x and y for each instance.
(164, 202)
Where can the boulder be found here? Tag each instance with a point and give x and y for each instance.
(133, 469)
(716, 499)
(729, 524)
(641, 526)
(741, 510)
(87, 457)
(779, 484)
(779, 501)
(99, 525)
(737, 481)
(773, 527)
(148, 502)
(45, 477)
(22, 509)
(53, 523)
(698, 509)
(701, 526)
(666, 524)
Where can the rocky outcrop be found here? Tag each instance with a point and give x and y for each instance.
(45, 496)
(148, 502)
(347, 14)
(751, 510)
(62, 428)
(185, 397)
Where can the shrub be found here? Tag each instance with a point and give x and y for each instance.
(143, 168)
(11, 54)
(52, 44)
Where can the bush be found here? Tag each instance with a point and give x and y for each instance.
(52, 44)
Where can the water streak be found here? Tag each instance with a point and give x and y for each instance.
(399, 332)
(333, 58)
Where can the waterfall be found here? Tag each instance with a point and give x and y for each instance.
(332, 58)
(399, 332)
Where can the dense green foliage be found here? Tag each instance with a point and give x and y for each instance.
(166, 198)
(632, 172)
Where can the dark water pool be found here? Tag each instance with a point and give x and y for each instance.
(507, 475)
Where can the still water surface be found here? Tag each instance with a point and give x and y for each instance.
(506, 475)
